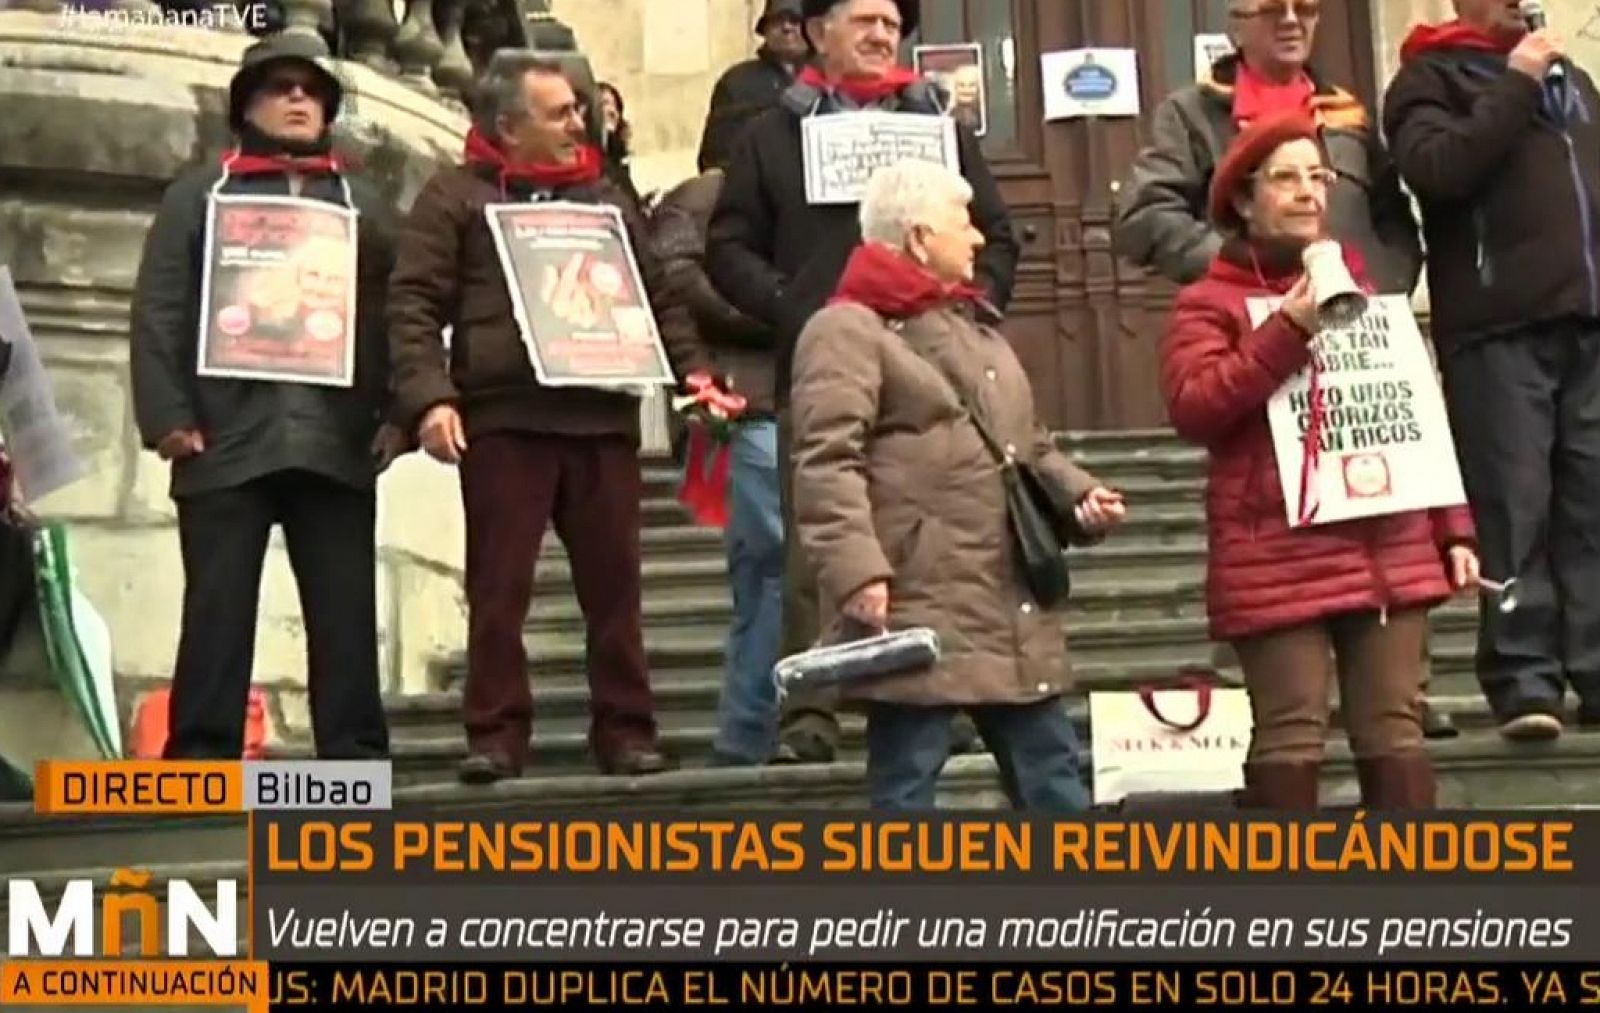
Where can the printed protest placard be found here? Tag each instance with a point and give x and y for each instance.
(278, 296)
(579, 299)
(1386, 446)
(843, 150)
(958, 69)
(37, 436)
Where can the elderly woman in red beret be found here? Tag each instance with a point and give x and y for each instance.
(1288, 598)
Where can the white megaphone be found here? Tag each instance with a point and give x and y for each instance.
(1340, 301)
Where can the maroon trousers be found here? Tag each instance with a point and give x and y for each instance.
(513, 485)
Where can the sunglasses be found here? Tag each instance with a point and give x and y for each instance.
(1305, 10)
(279, 87)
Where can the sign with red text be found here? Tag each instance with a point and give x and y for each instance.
(278, 293)
(579, 300)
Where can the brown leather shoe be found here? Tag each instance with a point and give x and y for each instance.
(1404, 781)
(1286, 785)
(634, 761)
(487, 767)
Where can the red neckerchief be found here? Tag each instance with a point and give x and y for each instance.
(237, 163)
(1279, 282)
(1453, 35)
(583, 169)
(886, 281)
(1254, 96)
(861, 90)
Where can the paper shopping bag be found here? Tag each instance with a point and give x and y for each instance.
(1189, 739)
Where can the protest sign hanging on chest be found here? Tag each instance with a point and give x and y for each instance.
(1385, 445)
(578, 296)
(842, 150)
(278, 293)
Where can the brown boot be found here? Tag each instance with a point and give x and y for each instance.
(1287, 785)
(1403, 781)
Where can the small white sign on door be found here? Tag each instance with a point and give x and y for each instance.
(1090, 82)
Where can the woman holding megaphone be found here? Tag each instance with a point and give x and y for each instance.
(1289, 597)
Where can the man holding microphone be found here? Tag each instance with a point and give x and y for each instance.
(1499, 138)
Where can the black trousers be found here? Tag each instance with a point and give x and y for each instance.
(328, 530)
(1525, 413)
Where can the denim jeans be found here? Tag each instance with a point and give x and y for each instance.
(748, 718)
(1034, 745)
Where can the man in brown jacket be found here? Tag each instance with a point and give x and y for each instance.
(529, 454)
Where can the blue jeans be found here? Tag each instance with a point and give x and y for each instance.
(747, 725)
(1034, 745)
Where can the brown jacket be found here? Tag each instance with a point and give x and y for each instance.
(448, 274)
(741, 347)
(893, 482)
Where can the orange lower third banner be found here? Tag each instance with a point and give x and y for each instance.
(136, 983)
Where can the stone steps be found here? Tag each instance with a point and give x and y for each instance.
(1477, 770)
(705, 567)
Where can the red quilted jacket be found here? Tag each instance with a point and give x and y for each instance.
(1218, 374)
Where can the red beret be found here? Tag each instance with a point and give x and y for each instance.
(1254, 145)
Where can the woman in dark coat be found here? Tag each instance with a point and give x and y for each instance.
(1285, 597)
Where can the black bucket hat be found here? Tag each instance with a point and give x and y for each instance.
(778, 9)
(910, 11)
(258, 61)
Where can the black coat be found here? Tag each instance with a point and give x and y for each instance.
(778, 258)
(743, 92)
(1508, 177)
(253, 428)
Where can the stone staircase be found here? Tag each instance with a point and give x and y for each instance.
(1137, 615)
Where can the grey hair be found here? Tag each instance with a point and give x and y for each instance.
(902, 196)
(500, 92)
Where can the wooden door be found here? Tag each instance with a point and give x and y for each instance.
(1086, 325)
(1014, 143)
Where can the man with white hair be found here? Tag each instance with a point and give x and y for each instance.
(1161, 220)
(777, 258)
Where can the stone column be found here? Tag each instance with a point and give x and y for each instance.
(368, 27)
(417, 46)
(453, 73)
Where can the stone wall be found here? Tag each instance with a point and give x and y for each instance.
(664, 56)
(96, 123)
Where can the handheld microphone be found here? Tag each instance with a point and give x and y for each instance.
(1532, 12)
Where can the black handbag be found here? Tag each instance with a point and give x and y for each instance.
(1032, 515)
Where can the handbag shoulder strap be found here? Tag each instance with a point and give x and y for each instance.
(984, 433)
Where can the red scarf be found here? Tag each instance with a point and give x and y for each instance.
(1256, 274)
(861, 90)
(1255, 96)
(1453, 35)
(887, 281)
(480, 150)
(238, 163)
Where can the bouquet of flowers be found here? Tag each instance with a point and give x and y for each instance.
(711, 413)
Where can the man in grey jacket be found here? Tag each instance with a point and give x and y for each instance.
(1161, 220)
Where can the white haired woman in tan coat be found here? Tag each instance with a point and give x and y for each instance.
(901, 508)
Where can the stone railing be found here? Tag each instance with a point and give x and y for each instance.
(437, 47)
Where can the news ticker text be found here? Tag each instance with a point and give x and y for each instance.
(466, 986)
